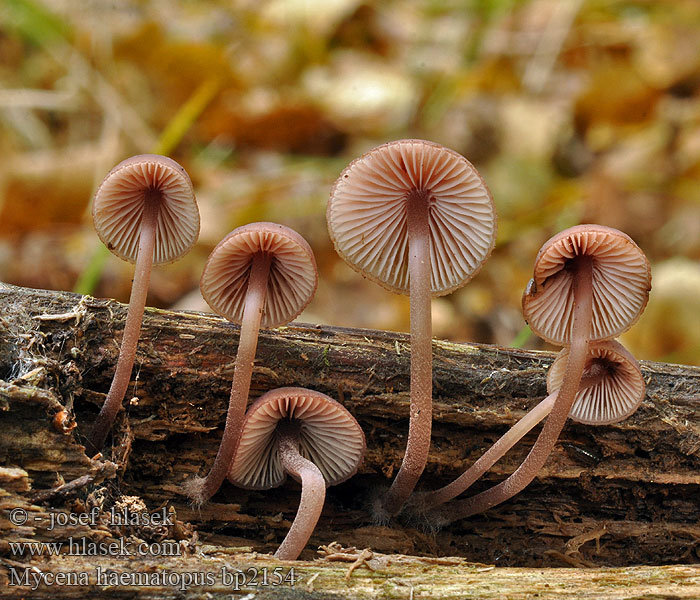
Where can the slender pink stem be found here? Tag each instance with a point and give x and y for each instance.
(499, 449)
(576, 362)
(132, 328)
(313, 491)
(418, 444)
(491, 456)
(201, 489)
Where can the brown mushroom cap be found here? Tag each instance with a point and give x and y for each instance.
(292, 280)
(120, 200)
(621, 283)
(330, 437)
(615, 397)
(367, 214)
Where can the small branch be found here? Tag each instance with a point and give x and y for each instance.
(107, 470)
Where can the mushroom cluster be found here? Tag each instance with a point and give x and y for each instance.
(590, 284)
(418, 219)
(262, 274)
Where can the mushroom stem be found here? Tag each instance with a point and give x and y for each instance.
(503, 445)
(421, 405)
(132, 327)
(313, 491)
(534, 461)
(201, 489)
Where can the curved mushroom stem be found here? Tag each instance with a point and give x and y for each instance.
(578, 352)
(498, 450)
(200, 489)
(313, 491)
(132, 327)
(491, 456)
(418, 444)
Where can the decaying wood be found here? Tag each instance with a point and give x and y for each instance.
(251, 575)
(614, 496)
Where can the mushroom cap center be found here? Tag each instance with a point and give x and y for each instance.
(292, 277)
(620, 286)
(124, 193)
(616, 385)
(369, 203)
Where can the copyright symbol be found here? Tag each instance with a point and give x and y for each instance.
(18, 516)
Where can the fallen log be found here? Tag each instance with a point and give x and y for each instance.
(613, 496)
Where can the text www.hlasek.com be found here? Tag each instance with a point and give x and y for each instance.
(84, 547)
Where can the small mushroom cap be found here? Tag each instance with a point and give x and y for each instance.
(615, 397)
(621, 283)
(120, 200)
(330, 437)
(291, 283)
(367, 214)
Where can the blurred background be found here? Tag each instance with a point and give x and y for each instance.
(572, 110)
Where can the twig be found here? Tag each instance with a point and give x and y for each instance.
(107, 470)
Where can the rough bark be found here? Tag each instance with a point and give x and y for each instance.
(612, 496)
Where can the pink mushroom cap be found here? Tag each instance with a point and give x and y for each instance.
(621, 283)
(367, 214)
(291, 284)
(616, 396)
(120, 200)
(330, 437)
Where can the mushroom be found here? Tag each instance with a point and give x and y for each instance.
(259, 275)
(144, 212)
(418, 219)
(590, 283)
(307, 435)
(611, 389)
(612, 384)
